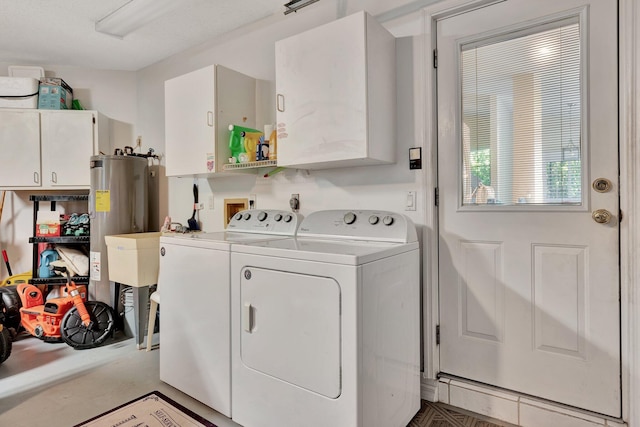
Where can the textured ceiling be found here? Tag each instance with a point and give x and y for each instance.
(61, 32)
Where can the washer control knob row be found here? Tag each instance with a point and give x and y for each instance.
(374, 219)
(349, 218)
(262, 216)
(238, 217)
(387, 220)
(247, 216)
(288, 218)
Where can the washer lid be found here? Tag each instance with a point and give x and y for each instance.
(348, 252)
(221, 240)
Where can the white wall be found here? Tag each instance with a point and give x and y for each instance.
(114, 94)
(251, 51)
(135, 103)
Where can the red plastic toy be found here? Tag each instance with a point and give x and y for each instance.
(69, 318)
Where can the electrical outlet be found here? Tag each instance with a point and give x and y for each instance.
(198, 206)
(210, 202)
(252, 201)
(294, 202)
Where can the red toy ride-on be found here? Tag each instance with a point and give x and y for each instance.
(69, 318)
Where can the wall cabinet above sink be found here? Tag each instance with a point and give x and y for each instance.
(199, 107)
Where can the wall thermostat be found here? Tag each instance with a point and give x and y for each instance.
(415, 158)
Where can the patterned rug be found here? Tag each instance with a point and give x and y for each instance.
(441, 415)
(151, 410)
(155, 409)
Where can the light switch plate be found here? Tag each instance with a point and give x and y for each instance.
(410, 203)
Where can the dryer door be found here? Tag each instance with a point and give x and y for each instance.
(291, 328)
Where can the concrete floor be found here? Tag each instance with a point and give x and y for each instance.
(44, 384)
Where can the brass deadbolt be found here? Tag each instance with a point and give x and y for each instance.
(602, 185)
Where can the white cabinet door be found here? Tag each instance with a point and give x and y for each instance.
(199, 107)
(20, 148)
(67, 146)
(49, 149)
(189, 125)
(336, 91)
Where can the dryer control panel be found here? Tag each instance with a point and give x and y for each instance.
(265, 221)
(381, 226)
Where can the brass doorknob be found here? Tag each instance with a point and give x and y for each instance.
(601, 216)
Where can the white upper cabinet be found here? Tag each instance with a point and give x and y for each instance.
(67, 146)
(20, 146)
(199, 107)
(50, 149)
(336, 95)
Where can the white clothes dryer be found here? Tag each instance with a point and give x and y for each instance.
(326, 326)
(195, 342)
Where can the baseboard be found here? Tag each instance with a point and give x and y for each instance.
(515, 408)
(429, 389)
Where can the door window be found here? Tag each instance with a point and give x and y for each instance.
(522, 142)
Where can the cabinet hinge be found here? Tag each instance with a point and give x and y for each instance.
(437, 334)
(435, 58)
(436, 196)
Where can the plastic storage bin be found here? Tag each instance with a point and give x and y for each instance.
(18, 92)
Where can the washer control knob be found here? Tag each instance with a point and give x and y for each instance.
(262, 216)
(349, 218)
(278, 217)
(387, 220)
(247, 216)
(374, 219)
(238, 217)
(288, 218)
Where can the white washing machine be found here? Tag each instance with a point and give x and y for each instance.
(326, 326)
(195, 342)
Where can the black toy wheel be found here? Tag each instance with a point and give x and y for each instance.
(79, 336)
(10, 306)
(5, 344)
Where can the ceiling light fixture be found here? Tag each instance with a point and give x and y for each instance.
(133, 15)
(294, 5)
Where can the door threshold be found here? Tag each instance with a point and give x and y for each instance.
(511, 406)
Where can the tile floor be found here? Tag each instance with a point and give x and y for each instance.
(57, 386)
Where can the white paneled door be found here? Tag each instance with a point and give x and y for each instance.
(528, 199)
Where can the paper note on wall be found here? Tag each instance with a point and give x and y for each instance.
(210, 162)
(94, 267)
(103, 201)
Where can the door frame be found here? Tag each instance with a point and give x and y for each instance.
(629, 136)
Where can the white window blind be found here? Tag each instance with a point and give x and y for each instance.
(521, 118)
